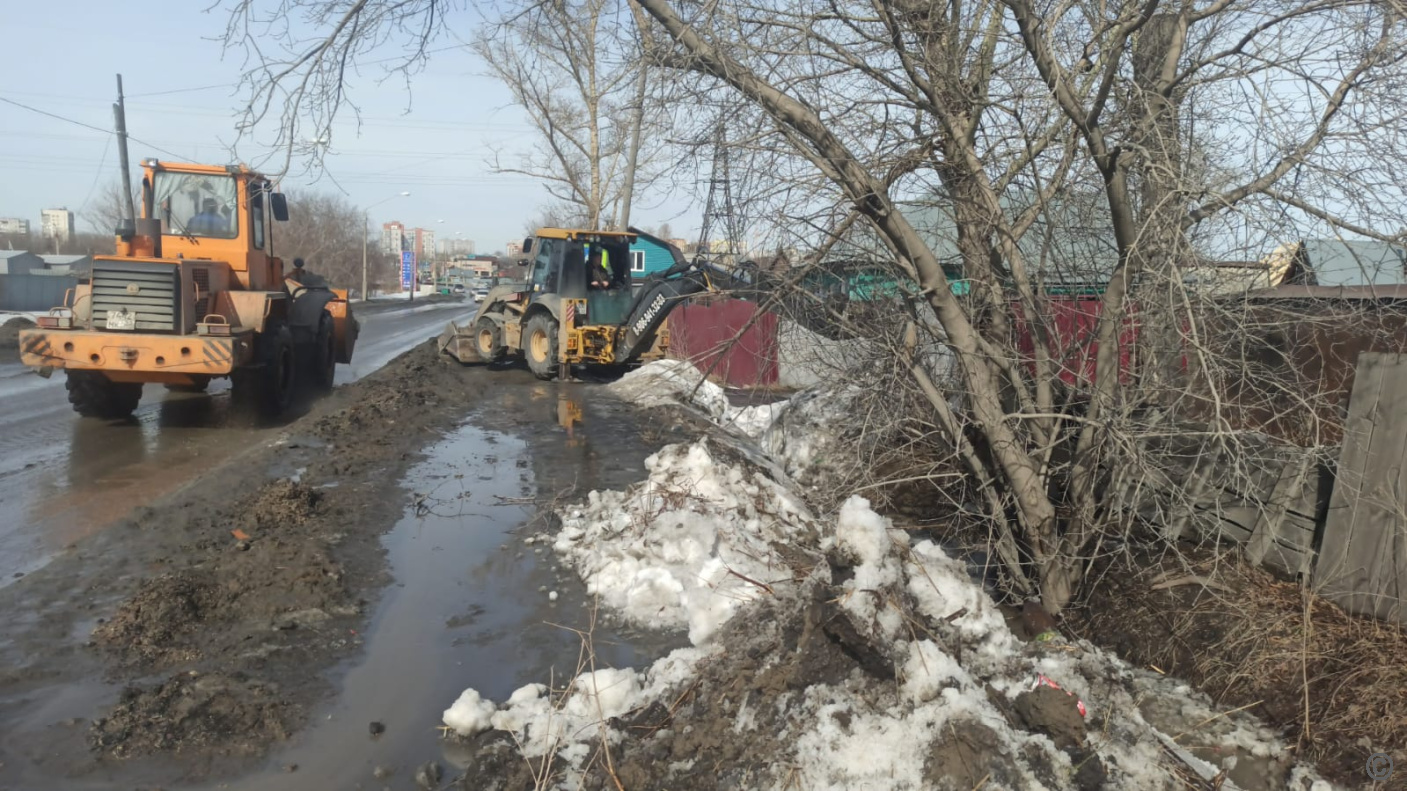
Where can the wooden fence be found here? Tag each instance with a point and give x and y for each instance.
(1338, 525)
(1363, 557)
(1248, 489)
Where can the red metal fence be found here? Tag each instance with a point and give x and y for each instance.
(705, 331)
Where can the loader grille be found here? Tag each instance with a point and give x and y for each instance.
(151, 292)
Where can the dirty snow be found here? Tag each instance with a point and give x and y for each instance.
(544, 720)
(689, 547)
(665, 382)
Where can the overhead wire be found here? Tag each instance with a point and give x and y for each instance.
(107, 144)
(88, 126)
(180, 90)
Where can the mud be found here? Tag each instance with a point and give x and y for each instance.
(260, 616)
(210, 614)
(1052, 712)
(194, 713)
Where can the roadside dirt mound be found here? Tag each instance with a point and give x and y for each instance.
(222, 715)
(284, 504)
(153, 628)
(417, 380)
(260, 582)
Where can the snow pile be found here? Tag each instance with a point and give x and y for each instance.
(669, 382)
(810, 435)
(686, 548)
(960, 671)
(469, 714)
(563, 721)
(862, 538)
(835, 664)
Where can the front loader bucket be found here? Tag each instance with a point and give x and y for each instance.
(458, 343)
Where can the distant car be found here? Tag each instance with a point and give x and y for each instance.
(459, 289)
(480, 294)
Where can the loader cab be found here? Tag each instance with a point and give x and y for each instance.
(558, 266)
(213, 213)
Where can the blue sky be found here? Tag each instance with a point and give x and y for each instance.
(182, 96)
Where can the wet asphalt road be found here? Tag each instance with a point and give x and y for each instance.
(63, 477)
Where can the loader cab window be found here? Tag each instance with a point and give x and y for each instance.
(196, 204)
(542, 266)
(256, 219)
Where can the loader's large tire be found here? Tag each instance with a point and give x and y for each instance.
(268, 387)
(488, 340)
(540, 346)
(95, 395)
(324, 371)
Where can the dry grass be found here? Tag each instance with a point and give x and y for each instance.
(1334, 683)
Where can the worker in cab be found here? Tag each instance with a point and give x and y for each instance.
(598, 268)
(209, 221)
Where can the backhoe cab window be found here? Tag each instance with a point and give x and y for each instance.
(192, 204)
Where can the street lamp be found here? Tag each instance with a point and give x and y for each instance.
(366, 221)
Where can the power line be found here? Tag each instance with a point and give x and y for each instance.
(59, 117)
(88, 126)
(180, 90)
(96, 177)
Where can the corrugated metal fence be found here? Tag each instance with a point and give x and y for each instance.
(32, 292)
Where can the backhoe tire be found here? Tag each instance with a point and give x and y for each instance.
(540, 346)
(198, 385)
(324, 372)
(488, 340)
(95, 395)
(268, 386)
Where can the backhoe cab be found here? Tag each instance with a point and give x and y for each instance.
(557, 318)
(194, 292)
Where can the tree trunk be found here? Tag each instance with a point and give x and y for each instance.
(1035, 511)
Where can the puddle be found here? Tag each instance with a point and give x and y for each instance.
(465, 610)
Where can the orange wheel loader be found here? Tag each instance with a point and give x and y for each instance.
(193, 293)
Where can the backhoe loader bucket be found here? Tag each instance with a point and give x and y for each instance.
(458, 343)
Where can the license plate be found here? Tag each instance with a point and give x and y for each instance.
(121, 320)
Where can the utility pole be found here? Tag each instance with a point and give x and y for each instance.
(119, 112)
(366, 220)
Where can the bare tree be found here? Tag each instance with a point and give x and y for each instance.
(326, 231)
(302, 57)
(108, 208)
(584, 88)
(1007, 109)
(1015, 144)
(574, 66)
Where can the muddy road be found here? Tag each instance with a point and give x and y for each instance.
(63, 477)
(362, 564)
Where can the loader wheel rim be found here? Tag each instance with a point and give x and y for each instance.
(485, 339)
(538, 345)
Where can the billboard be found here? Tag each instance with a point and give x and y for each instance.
(407, 269)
